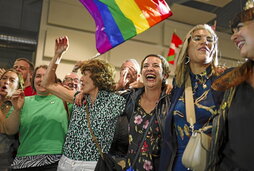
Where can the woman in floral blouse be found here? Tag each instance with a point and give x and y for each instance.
(104, 106)
(145, 105)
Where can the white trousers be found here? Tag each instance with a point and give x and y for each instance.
(66, 164)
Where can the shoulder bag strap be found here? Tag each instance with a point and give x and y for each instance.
(189, 103)
(94, 138)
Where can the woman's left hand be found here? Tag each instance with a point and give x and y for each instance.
(17, 99)
(169, 88)
(79, 98)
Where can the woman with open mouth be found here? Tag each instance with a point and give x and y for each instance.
(10, 81)
(146, 109)
(233, 128)
(41, 121)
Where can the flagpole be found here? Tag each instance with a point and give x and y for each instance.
(96, 56)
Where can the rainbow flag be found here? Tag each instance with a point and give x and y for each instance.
(119, 20)
(173, 48)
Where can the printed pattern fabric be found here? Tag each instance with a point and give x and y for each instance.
(150, 148)
(103, 116)
(34, 161)
(205, 108)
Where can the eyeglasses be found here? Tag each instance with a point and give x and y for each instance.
(71, 79)
(199, 38)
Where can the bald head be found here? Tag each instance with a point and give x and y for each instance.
(71, 80)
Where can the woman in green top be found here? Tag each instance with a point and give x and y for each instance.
(41, 121)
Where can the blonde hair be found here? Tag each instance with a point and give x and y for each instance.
(182, 69)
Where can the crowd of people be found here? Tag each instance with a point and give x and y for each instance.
(47, 124)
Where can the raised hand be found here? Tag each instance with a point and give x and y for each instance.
(133, 74)
(127, 76)
(169, 88)
(61, 46)
(17, 99)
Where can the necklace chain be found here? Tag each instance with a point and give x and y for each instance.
(202, 79)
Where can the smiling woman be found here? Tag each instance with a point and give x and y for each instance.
(196, 62)
(146, 110)
(232, 144)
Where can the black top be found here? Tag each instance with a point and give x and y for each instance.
(240, 145)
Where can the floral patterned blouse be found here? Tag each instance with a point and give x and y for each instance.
(150, 149)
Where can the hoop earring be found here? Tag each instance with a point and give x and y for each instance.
(187, 60)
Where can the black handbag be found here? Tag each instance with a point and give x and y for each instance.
(106, 162)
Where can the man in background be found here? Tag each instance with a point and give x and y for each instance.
(26, 68)
(129, 74)
(71, 81)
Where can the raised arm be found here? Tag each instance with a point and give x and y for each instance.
(12, 123)
(60, 91)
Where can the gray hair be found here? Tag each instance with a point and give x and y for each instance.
(135, 63)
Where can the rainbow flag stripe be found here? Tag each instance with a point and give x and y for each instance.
(119, 20)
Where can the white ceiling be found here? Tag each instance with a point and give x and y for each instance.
(206, 11)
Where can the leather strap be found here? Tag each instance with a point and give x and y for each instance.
(143, 139)
(94, 138)
(189, 103)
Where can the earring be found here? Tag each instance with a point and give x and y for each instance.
(187, 60)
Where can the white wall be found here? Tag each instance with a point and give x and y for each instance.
(70, 18)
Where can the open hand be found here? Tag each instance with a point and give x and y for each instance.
(17, 99)
(61, 45)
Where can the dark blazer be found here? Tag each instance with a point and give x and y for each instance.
(169, 145)
(119, 146)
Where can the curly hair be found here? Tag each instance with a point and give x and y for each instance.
(102, 73)
(20, 81)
